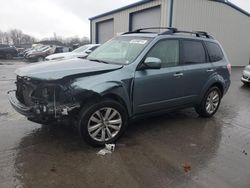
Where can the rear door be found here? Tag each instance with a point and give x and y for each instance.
(197, 68)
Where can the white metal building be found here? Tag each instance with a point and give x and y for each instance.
(225, 21)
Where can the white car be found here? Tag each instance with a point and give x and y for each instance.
(80, 52)
(246, 75)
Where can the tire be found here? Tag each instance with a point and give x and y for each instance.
(93, 122)
(208, 108)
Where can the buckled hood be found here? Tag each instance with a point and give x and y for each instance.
(60, 69)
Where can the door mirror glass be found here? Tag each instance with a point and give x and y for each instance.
(151, 63)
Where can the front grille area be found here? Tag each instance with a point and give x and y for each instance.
(24, 91)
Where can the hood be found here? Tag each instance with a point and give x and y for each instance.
(60, 69)
(66, 55)
(59, 55)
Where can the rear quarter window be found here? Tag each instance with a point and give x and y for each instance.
(214, 51)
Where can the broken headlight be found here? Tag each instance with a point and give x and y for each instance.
(48, 93)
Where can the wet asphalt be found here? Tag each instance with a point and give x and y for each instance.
(178, 149)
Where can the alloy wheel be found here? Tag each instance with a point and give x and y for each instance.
(212, 101)
(104, 124)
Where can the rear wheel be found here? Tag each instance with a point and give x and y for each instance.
(210, 103)
(103, 122)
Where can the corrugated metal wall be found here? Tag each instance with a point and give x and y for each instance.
(226, 24)
(121, 19)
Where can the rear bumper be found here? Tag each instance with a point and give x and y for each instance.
(18, 106)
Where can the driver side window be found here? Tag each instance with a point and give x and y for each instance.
(167, 51)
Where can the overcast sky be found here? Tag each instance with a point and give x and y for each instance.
(41, 18)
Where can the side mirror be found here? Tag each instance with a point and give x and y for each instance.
(88, 51)
(151, 63)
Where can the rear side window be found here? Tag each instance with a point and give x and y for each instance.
(193, 52)
(214, 51)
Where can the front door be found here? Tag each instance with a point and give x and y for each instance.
(162, 88)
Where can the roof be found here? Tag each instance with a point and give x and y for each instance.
(146, 1)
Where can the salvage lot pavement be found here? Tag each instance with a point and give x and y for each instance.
(178, 149)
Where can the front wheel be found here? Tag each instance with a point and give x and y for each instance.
(210, 103)
(103, 122)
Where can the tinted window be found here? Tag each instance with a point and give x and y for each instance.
(167, 51)
(214, 51)
(193, 52)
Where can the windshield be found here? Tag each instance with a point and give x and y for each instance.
(120, 50)
(80, 49)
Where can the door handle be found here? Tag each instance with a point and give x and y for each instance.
(178, 74)
(210, 70)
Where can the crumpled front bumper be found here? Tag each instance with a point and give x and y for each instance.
(41, 111)
(19, 107)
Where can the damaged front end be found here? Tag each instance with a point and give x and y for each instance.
(42, 101)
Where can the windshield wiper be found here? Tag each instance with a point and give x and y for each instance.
(99, 61)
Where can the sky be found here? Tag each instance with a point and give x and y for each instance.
(67, 18)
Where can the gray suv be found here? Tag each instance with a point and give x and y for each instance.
(134, 75)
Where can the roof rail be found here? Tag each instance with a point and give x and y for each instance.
(197, 33)
(171, 30)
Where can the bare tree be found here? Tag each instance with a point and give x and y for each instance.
(6, 38)
(1, 37)
(16, 36)
(27, 39)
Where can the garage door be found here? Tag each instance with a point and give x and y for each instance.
(104, 31)
(147, 18)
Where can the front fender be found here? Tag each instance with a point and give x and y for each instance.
(120, 90)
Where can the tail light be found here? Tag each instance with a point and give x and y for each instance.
(229, 68)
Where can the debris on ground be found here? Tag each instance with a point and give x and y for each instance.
(53, 169)
(193, 145)
(244, 152)
(109, 148)
(186, 168)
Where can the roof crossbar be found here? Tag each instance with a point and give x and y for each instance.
(170, 30)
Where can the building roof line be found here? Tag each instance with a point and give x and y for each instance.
(233, 6)
(226, 2)
(120, 9)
